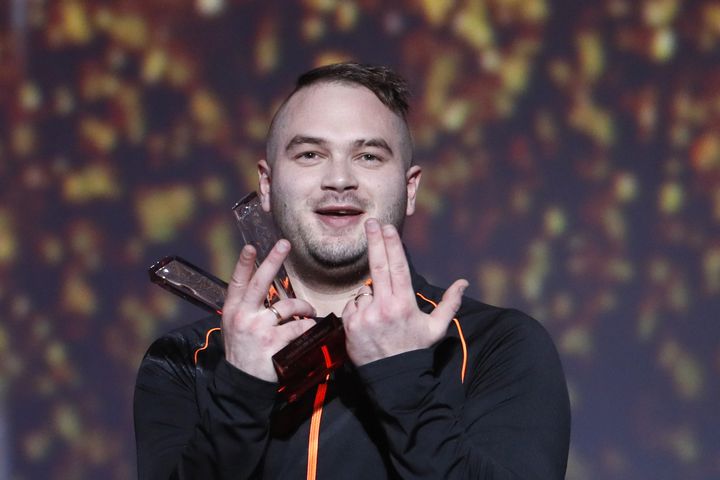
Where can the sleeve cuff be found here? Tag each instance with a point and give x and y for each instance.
(402, 381)
(230, 380)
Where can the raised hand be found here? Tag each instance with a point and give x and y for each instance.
(388, 321)
(252, 333)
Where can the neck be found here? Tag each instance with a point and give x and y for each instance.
(325, 298)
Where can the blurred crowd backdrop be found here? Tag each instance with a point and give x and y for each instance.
(572, 169)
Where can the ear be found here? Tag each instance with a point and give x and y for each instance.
(264, 181)
(412, 182)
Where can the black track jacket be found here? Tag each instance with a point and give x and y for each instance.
(417, 415)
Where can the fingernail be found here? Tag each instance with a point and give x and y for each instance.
(283, 246)
(372, 225)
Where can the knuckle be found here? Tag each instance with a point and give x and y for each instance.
(255, 284)
(350, 326)
(265, 338)
(237, 280)
(398, 265)
(392, 310)
(378, 267)
(231, 318)
(386, 310)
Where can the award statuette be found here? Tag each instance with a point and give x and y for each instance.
(192, 283)
(258, 229)
(305, 361)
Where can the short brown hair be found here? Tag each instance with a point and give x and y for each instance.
(389, 87)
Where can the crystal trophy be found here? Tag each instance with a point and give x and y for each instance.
(258, 229)
(305, 361)
(192, 283)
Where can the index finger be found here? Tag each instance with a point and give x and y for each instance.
(257, 290)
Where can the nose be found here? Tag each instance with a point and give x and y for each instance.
(339, 176)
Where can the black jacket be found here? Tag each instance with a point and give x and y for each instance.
(408, 416)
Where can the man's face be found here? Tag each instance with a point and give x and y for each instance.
(340, 158)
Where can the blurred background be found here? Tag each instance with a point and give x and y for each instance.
(572, 169)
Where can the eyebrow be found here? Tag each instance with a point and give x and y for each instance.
(362, 142)
(302, 140)
(374, 142)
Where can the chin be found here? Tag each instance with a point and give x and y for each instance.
(332, 267)
(336, 255)
(341, 274)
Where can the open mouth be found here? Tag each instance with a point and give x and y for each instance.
(339, 211)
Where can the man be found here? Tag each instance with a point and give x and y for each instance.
(438, 385)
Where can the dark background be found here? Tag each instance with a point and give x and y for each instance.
(572, 169)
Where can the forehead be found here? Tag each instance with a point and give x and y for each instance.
(338, 112)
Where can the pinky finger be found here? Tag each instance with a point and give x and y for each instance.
(350, 308)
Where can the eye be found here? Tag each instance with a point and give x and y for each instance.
(370, 158)
(307, 157)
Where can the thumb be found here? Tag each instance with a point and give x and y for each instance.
(450, 303)
(292, 330)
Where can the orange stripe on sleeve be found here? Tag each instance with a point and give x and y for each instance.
(460, 332)
(207, 342)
